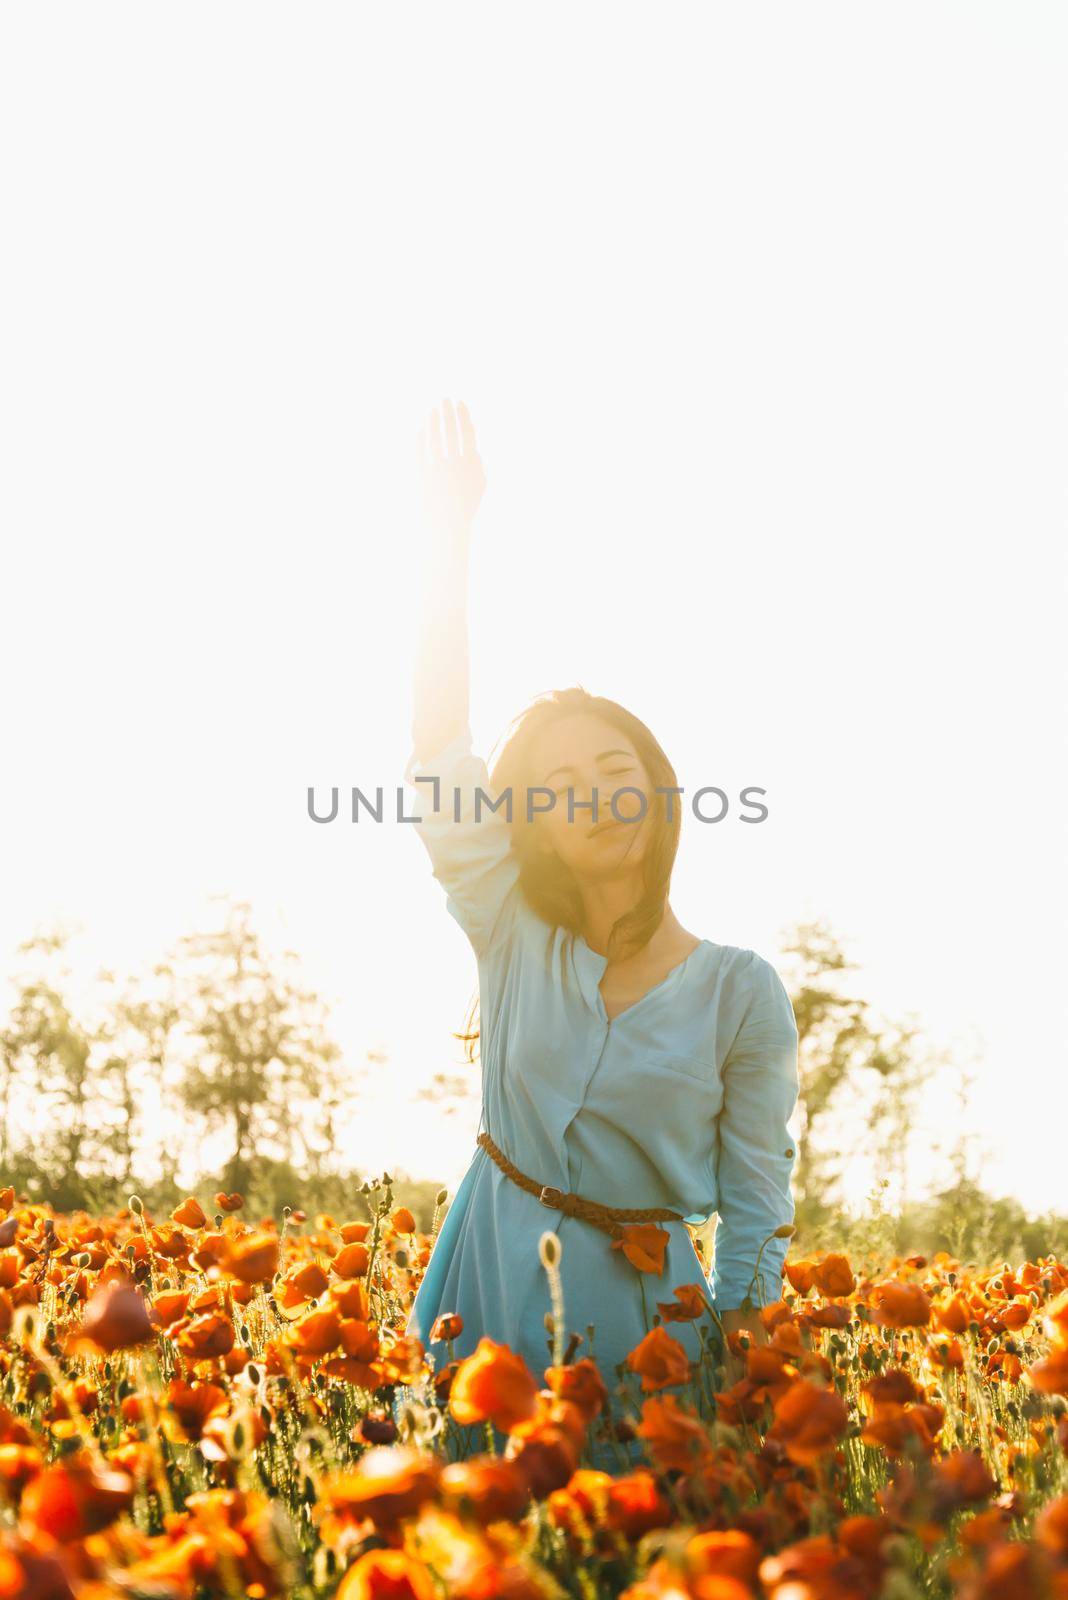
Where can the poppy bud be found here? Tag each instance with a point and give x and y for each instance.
(378, 1430)
(549, 1250)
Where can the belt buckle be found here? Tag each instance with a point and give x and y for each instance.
(550, 1196)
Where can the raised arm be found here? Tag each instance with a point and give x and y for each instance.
(470, 844)
(453, 483)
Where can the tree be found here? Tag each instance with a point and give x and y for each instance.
(47, 1054)
(260, 1060)
(843, 1054)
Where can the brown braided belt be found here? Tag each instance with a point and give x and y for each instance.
(608, 1218)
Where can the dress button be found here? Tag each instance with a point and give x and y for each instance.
(788, 1151)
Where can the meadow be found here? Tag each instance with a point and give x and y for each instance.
(206, 1388)
(201, 1403)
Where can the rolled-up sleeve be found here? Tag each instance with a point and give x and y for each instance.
(471, 853)
(756, 1150)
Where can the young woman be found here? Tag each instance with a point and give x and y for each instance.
(624, 1060)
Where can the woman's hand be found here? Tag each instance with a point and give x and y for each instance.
(453, 476)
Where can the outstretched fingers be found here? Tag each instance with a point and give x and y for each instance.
(434, 428)
(467, 430)
(452, 437)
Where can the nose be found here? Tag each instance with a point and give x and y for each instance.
(579, 794)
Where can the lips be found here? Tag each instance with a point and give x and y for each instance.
(599, 827)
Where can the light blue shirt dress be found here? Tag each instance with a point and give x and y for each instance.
(680, 1101)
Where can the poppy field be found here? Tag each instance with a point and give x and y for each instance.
(202, 1404)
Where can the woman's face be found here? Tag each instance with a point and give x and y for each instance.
(580, 754)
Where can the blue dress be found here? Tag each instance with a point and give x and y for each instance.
(681, 1101)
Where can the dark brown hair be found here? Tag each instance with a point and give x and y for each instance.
(547, 884)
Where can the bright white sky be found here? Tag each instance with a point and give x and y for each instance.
(760, 314)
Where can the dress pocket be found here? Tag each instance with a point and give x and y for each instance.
(689, 1066)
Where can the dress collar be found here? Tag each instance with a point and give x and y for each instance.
(589, 967)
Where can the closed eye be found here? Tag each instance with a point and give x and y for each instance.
(618, 772)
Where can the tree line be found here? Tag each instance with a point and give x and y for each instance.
(223, 1044)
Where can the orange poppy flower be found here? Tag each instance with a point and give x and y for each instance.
(808, 1567)
(76, 1498)
(1055, 1319)
(727, 1553)
(946, 1353)
(552, 1414)
(833, 1276)
(582, 1384)
(643, 1244)
(900, 1305)
(1051, 1527)
(954, 1314)
(898, 1428)
(493, 1385)
(188, 1406)
(352, 1261)
(358, 1338)
(489, 1490)
(167, 1308)
(470, 1563)
(691, 1301)
(360, 1344)
(116, 1318)
(402, 1362)
(800, 1274)
(316, 1334)
(252, 1258)
(660, 1361)
(960, 1479)
(895, 1386)
(389, 1482)
(545, 1454)
(171, 1243)
(830, 1315)
(808, 1421)
(190, 1214)
(350, 1369)
(1051, 1375)
(351, 1299)
(677, 1438)
(207, 1337)
(386, 1575)
(581, 1503)
(310, 1280)
(448, 1326)
(636, 1506)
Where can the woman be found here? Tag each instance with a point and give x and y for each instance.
(624, 1059)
